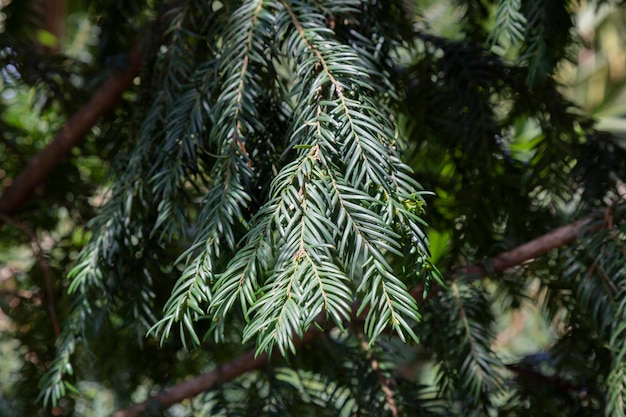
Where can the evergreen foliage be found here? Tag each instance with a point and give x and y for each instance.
(282, 167)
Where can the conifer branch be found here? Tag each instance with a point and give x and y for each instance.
(557, 238)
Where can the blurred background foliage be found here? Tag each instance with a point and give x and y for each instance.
(51, 63)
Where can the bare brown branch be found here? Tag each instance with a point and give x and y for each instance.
(192, 387)
(557, 238)
(54, 13)
(223, 373)
(72, 133)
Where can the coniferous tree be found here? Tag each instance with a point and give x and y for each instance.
(300, 206)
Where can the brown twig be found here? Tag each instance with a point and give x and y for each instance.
(555, 239)
(192, 387)
(45, 268)
(526, 252)
(72, 133)
(247, 362)
(223, 373)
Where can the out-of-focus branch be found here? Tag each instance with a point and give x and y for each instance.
(247, 362)
(223, 373)
(45, 268)
(194, 386)
(40, 167)
(385, 383)
(53, 13)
